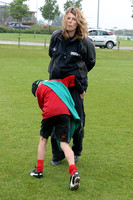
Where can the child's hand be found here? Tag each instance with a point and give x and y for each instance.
(82, 95)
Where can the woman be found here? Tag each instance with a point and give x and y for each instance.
(72, 53)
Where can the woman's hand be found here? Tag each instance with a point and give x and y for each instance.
(82, 95)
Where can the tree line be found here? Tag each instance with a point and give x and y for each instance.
(50, 10)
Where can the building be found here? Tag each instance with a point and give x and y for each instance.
(5, 16)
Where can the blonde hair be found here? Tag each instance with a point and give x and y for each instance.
(82, 28)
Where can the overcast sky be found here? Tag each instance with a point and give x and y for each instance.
(112, 13)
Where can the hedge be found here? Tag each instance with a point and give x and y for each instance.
(37, 29)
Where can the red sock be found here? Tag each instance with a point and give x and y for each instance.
(72, 169)
(39, 165)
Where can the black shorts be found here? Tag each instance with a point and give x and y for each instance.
(61, 123)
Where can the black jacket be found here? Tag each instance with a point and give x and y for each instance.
(69, 57)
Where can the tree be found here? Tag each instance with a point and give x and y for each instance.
(74, 3)
(18, 9)
(50, 10)
(5, 13)
(57, 20)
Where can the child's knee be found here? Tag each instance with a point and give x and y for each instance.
(44, 140)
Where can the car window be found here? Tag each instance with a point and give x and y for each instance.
(102, 33)
(93, 33)
(16, 24)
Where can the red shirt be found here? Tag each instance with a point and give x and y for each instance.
(49, 102)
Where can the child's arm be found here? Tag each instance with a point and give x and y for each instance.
(72, 81)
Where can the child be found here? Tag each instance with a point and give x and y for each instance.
(58, 108)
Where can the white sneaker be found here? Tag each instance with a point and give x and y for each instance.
(35, 174)
(74, 181)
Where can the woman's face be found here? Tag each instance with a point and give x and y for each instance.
(71, 24)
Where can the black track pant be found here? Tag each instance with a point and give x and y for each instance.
(77, 136)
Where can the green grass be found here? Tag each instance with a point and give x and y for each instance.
(25, 37)
(126, 43)
(106, 164)
(41, 37)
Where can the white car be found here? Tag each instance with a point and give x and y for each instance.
(103, 38)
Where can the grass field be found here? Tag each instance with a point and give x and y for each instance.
(25, 37)
(41, 38)
(106, 164)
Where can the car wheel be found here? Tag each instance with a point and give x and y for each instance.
(109, 45)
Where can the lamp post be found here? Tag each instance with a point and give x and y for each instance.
(98, 14)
